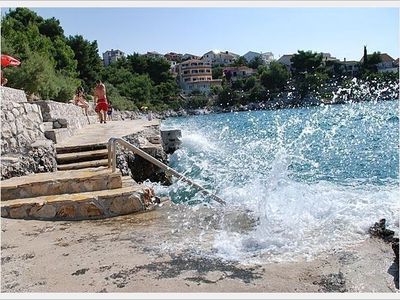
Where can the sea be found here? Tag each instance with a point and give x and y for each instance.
(296, 181)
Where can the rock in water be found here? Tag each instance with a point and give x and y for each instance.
(379, 230)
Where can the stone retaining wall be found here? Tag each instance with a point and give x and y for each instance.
(67, 115)
(148, 140)
(96, 207)
(24, 148)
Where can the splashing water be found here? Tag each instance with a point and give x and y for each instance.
(306, 179)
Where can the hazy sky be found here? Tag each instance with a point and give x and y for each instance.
(341, 31)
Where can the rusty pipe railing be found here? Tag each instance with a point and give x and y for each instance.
(112, 163)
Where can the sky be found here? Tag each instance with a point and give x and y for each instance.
(343, 32)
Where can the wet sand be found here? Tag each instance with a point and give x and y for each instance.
(147, 253)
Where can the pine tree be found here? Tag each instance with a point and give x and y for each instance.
(365, 59)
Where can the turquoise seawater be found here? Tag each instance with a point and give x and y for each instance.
(311, 177)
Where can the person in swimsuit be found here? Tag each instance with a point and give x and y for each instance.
(80, 101)
(101, 101)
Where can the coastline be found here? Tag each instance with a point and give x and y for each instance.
(80, 257)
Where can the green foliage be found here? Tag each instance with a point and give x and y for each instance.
(306, 62)
(249, 83)
(275, 77)
(237, 84)
(227, 97)
(144, 81)
(118, 101)
(198, 100)
(239, 62)
(369, 64)
(156, 68)
(217, 73)
(48, 68)
(257, 93)
(310, 83)
(37, 76)
(51, 28)
(89, 64)
(255, 62)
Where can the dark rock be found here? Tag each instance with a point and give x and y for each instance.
(379, 230)
(395, 247)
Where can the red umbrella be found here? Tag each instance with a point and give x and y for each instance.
(7, 60)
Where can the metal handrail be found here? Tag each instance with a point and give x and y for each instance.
(112, 162)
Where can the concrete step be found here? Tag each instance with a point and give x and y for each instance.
(75, 157)
(89, 205)
(61, 182)
(57, 135)
(83, 165)
(48, 126)
(80, 148)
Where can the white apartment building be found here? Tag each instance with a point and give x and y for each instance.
(112, 56)
(196, 75)
(222, 58)
(266, 57)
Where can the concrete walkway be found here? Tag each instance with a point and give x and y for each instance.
(100, 133)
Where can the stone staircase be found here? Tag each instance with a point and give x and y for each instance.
(89, 193)
(81, 156)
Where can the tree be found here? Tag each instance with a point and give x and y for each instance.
(51, 28)
(306, 62)
(48, 68)
(369, 64)
(256, 62)
(275, 78)
(227, 97)
(89, 64)
(249, 83)
(239, 62)
(217, 72)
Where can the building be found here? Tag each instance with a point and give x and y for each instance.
(112, 56)
(196, 75)
(266, 57)
(236, 73)
(328, 59)
(221, 58)
(286, 61)
(387, 64)
(188, 56)
(154, 54)
(350, 68)
(172, 56)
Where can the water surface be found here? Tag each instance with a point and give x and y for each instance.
(306, 179)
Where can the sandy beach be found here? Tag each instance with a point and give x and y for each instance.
(145, 253)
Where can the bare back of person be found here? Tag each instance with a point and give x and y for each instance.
(100, 92)
(101, 103)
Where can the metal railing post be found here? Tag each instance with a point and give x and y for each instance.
(112, 155)
(109, 154)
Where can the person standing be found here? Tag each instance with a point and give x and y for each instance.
(101, 101)
(109, 111)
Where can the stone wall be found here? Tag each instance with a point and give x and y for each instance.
(148, 140)
(68, 114)
(24, 148)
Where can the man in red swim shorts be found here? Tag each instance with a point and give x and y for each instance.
(101, 103)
